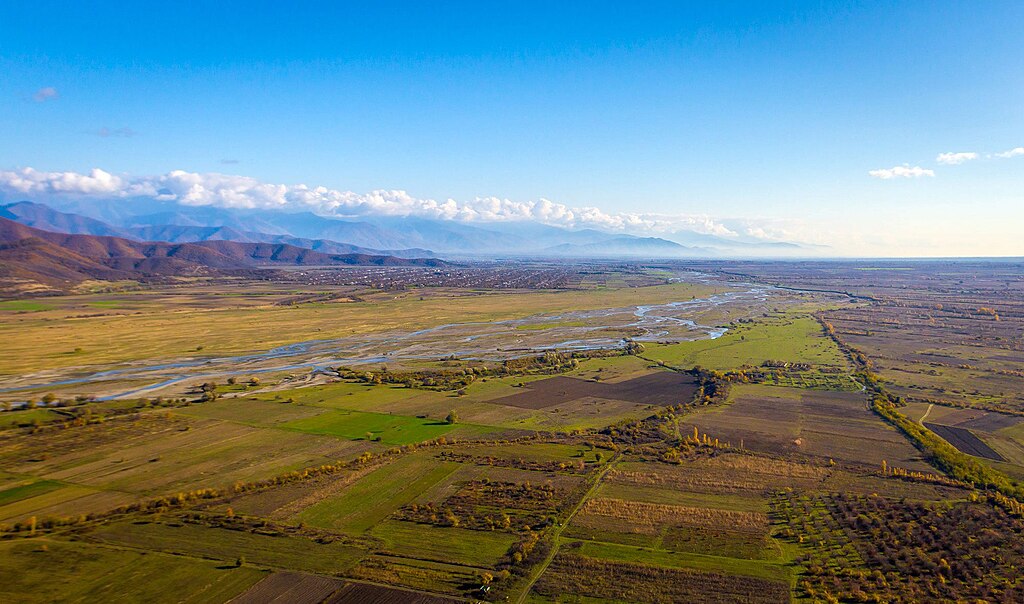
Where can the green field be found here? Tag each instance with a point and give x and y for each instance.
(24, 306)
(444, 544)
(26, 417)
(276, 551)
(377, 495)
(39, 570)
(351, 396)
(790, 338)
(26, 491)
(645, 555)
(390, 429)
(251, 411)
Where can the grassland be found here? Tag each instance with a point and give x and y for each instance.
(148, 328)
(791, 338)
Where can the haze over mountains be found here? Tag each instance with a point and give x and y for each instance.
(398, 236)
(36, 260)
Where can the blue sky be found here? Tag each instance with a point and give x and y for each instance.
(765, 118)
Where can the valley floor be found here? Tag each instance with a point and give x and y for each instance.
(734, 443)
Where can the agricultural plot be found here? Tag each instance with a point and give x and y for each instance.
(35, 570)
(492, 506)
(1001, 435)
(448, 544)
(661, 388)
(26, 490)
(788, 421)
(350, 396)
(66, 500)
(258, 545)
(105, 465)
(401, 415)
(361, 593)
(730, 473)
(290, 587)
(674, 528)
(964, 440)
(572, 576)
(937, 342)
(856, 545)
(373, 498)
(423, 575)
(740, 502)
(575, 481)
(250, 411)
(389, 429)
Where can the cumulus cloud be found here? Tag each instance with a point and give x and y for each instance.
(1015, 152)
(904, 171)
(955, 158)
(243, 192)
(45, 94)
(33, 182)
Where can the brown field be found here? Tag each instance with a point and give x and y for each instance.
(660, 388)
(964, 440)
(972, 419)
(472, 472)
(727, 473)
(290, 588)
(790, 421)
(575, 575)
(417, 574)
(361, 593)
(675, 528)
(651, 518)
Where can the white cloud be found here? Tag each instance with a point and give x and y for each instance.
(45, 94)
(904, 171)
(231, 191)
(956, 158)
(1015, 152)
(29, 181)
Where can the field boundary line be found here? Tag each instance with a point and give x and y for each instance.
(558, 530)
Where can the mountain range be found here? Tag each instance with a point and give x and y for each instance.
(399, 236)
(37, 260)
